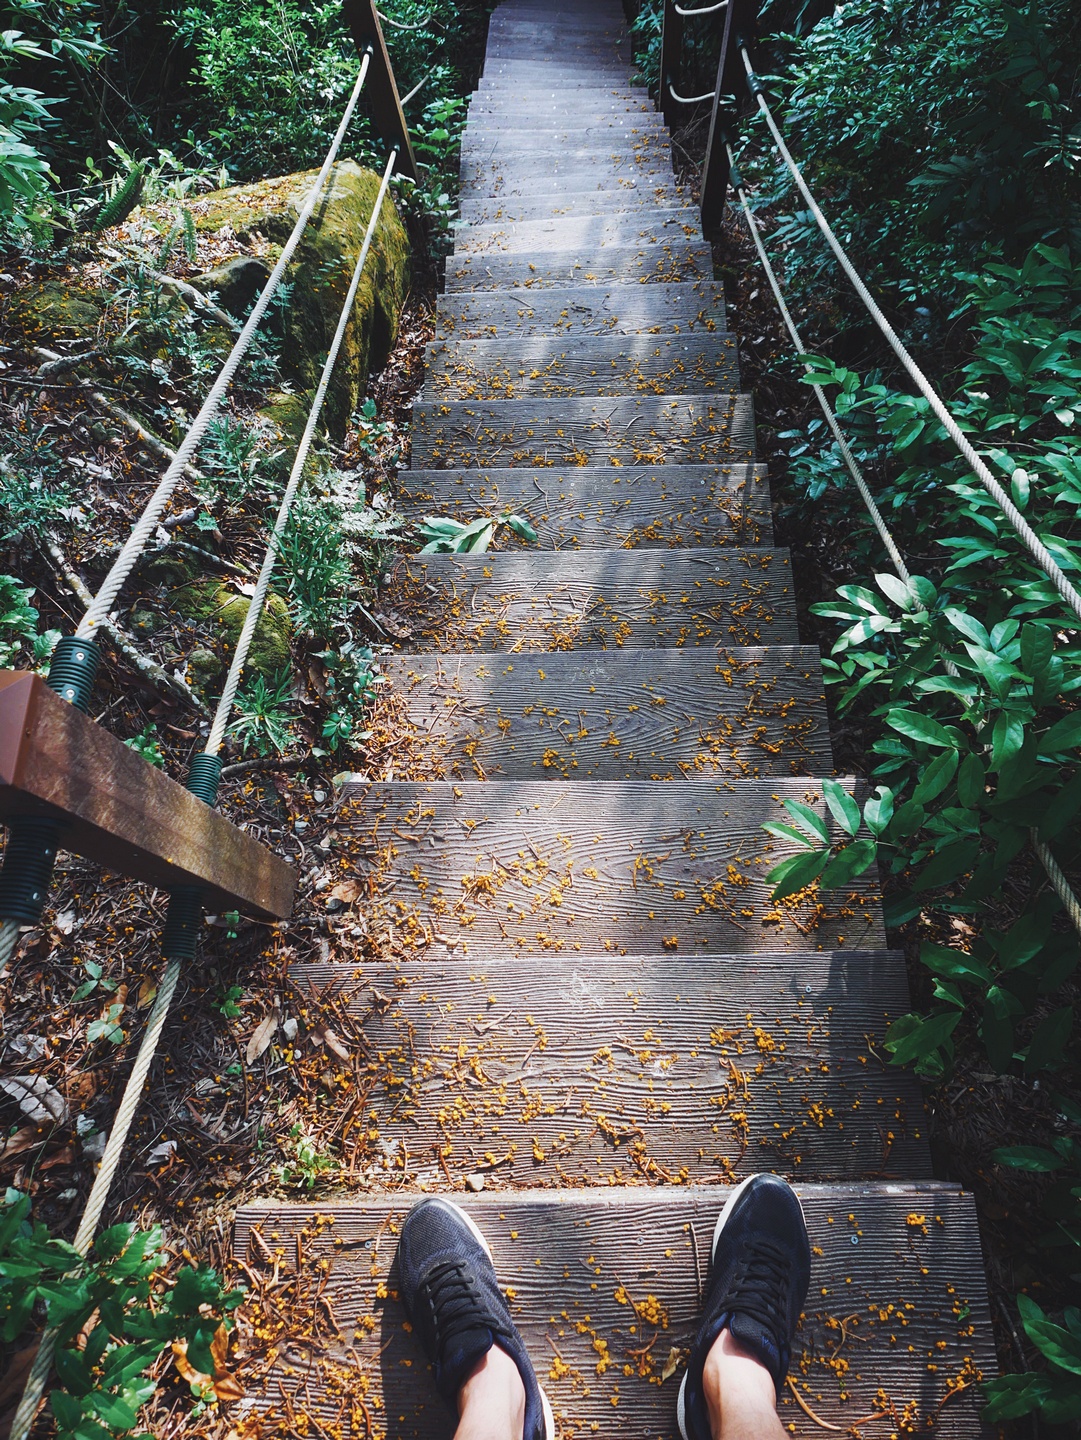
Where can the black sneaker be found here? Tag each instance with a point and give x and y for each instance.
(453, 1299)
(759, 1272)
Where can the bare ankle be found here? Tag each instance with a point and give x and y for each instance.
(739, 1390)
(491, 1402)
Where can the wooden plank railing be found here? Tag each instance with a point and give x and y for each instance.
(730, 96)
(362, 19)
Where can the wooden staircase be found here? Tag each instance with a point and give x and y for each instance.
(602, 1019)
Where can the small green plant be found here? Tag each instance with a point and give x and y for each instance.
(19, 634)
(228, 1001)
(445, 536)
(262, 718)
(306, 1166)
(148, 744)
(352, 678)
(92, 982)
(107, 1026)
(115, 1311)
(232, 454)
(123, 199)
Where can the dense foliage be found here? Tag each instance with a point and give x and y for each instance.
(208, 93)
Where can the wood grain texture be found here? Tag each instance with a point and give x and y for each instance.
(120, 812)
(601, 1282)
(497, 867)
(509, 369)
(587, 200)
(669, 263)
(565, 313)
(597, 600)
(625, 508)
(598, 1071)
(583, 233)
(524, 175)
(616, 430)
(616, 714)
(620, 144)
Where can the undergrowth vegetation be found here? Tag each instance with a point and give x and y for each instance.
(952, 181)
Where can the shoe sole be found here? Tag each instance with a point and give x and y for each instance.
(730, 1203)
(478, 1235)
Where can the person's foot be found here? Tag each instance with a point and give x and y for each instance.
(451, 1295)
(760, 1270)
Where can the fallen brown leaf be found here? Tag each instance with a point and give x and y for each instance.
(261, 1038)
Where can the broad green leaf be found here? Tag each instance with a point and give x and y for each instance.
(895, 589)
(914, 1042)
(936, 777)
(808, 820)
(842, 806)
(953, 964)
(796, 873)
(787, 832)
(969, 626)
(918, 727)
(948, 864)
(1063, 736)
(1049, 1041)
(971, 782)
(1037, 648)
(878, 810)
(1009, 1397)
(1028, 1157)
(853, 860)
(1054, 1342)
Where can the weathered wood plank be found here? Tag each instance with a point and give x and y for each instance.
(115, 809)
(606, 143)
(552, 175)
(684, 1073)
(582, 233)
(615, 430)
(597, 600)
(616, 713)
(503, 369)
(565, 313)
(667, 264)
(496, 867)
(630, 197)
(605, 1282)
(623, 508)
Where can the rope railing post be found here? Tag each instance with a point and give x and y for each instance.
(1032, 542)
(1070, 902)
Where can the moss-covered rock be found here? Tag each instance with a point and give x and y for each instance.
(205, 669)
(321, 270)
(55, 308)
(206, 602)
(287, 413)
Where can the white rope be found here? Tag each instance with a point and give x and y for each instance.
(831, 419)
(417, 88)
(705, 10)
(98, 612)
(262, 585)
(1070, 902)
(9, 938)
(688, 99)
(99, 1194)
(419, 25)
(1032, 542)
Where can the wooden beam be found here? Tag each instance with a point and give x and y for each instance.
(671, 51)
(741, 18)
(119, 811)
(382, 90)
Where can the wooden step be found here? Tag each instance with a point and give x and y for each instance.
(628, 867)
(593, 105)
(615, 140)
(653, 1068)
(564, 313)
(614, 430)
(514, 600)
(615, 714)
(612, 364)
(499, 124)
(583, 233)
(602, 1283)
(624, 508)
(503, 209)
(554, 173)
(672, 262)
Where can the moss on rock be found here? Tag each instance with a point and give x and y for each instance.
(208, 602)
(54, 308)
(321, 270)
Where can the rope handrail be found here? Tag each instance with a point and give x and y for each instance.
(417, 25)
(704, 10)
(417, 88)
(145, 525)
(688, 99)
(125, 1115)
(1032, 542)
(1070, 902)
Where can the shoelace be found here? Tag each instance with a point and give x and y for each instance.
(452, 1296)
(762, 1292)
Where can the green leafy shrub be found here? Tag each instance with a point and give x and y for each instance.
(19, 634)
(444, 536)
(119, 1299)
(263, 716)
